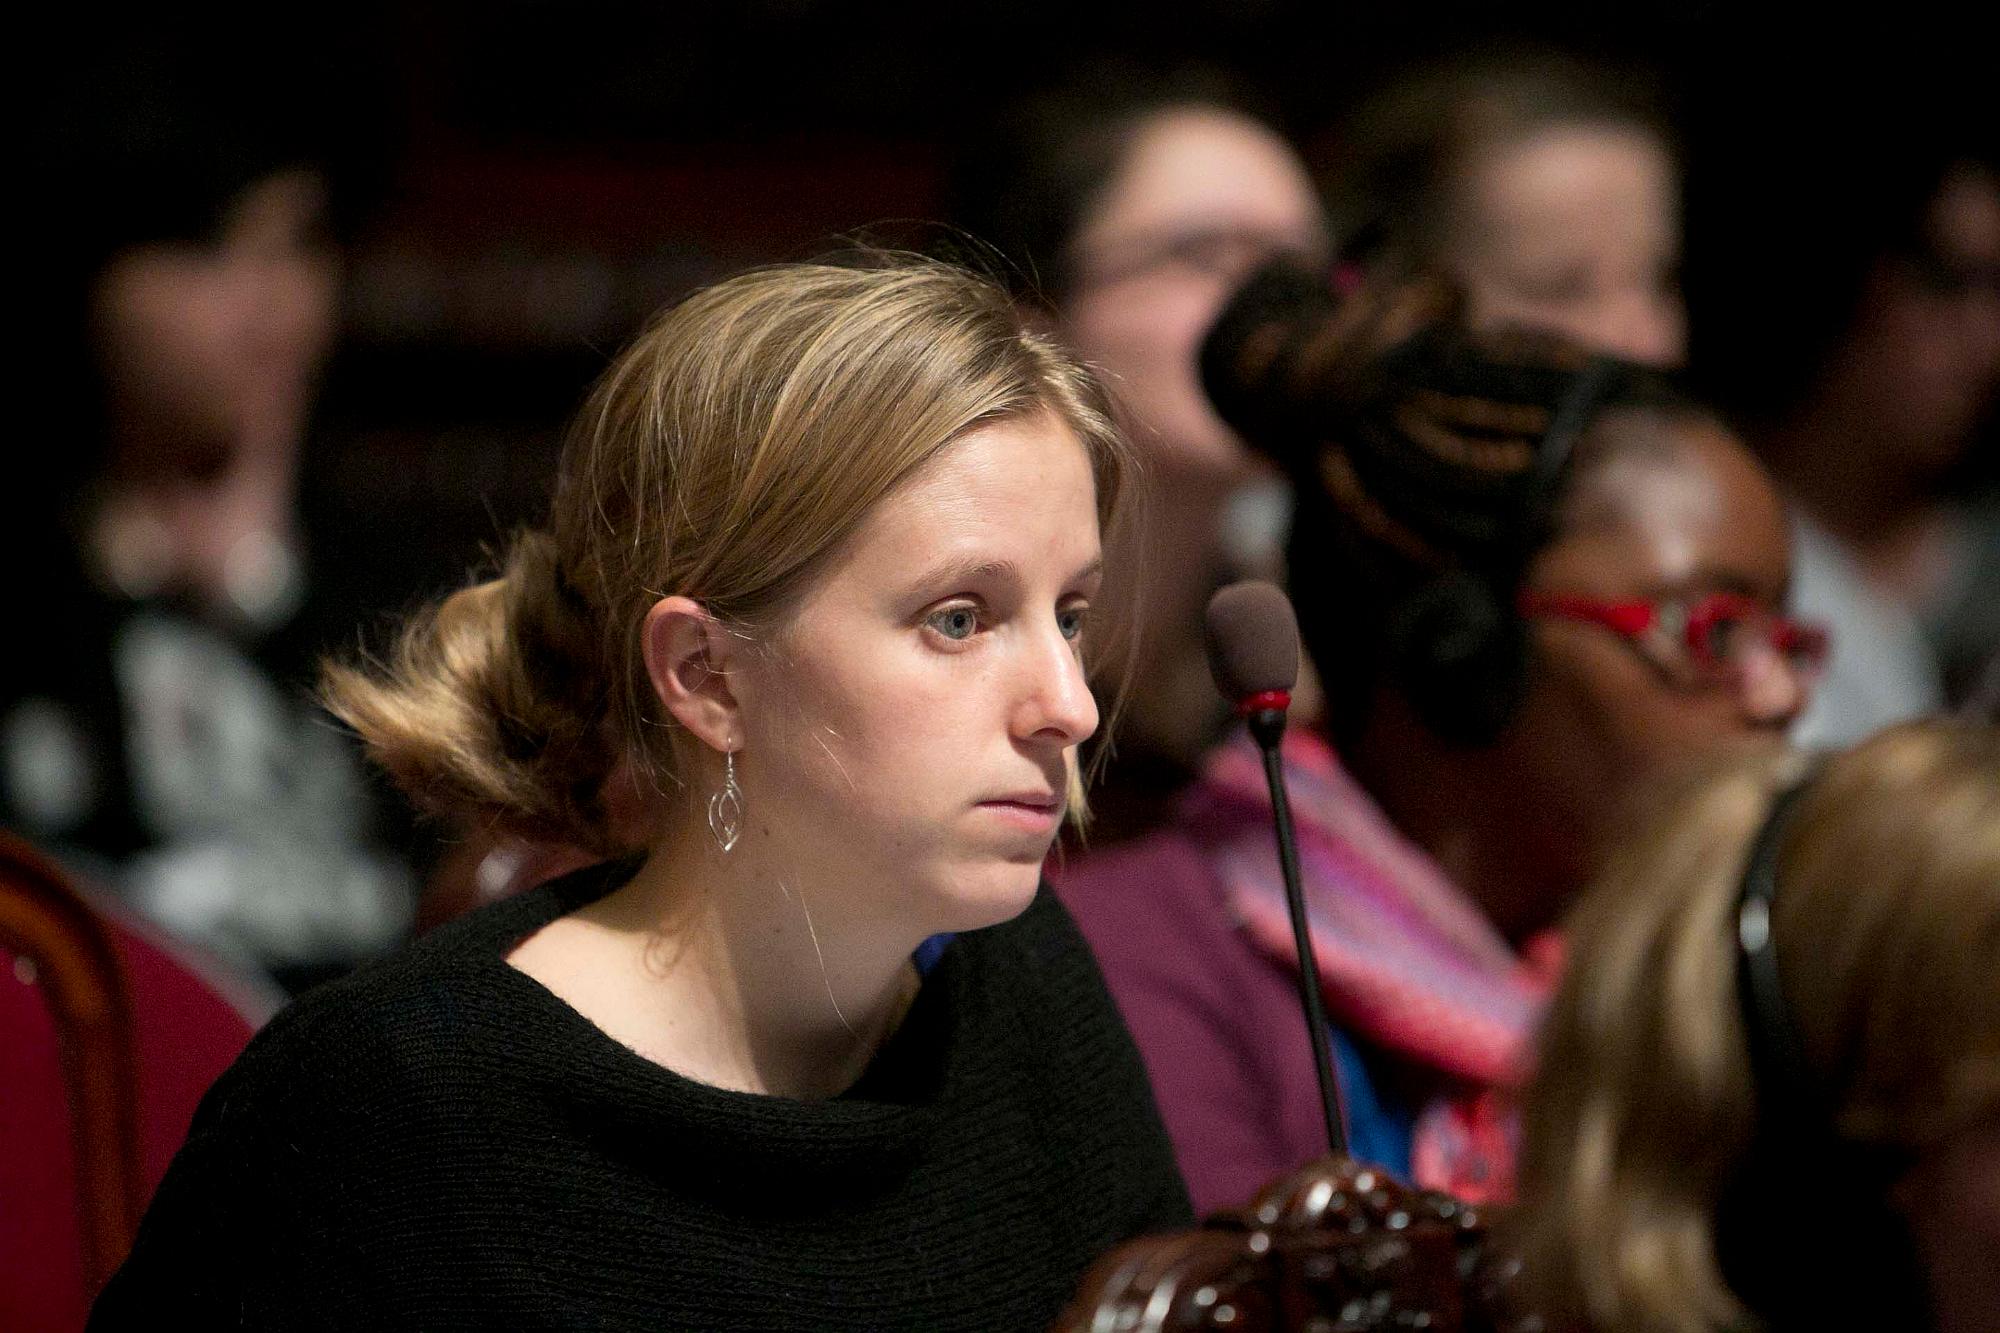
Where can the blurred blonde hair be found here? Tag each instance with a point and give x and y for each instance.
(1887, 930)
(725, 456)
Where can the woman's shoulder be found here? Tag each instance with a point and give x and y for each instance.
(393, 1023)
(442, 1011)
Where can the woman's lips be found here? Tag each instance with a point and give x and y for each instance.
(1033, 814)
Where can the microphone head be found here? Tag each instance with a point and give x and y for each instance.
(1253, 640)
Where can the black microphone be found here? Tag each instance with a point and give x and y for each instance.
(1253, 651)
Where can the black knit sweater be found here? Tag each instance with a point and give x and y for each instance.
(439, 1142)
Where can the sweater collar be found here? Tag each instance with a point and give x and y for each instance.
(709, 1138)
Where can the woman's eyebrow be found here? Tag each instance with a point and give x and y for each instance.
(966, 569)
(1089, 571)
(970, 569)
(1708, 578)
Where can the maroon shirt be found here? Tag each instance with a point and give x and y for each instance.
(1217, 1022)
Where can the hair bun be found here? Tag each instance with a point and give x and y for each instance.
(493, 708)
(1298, 350)
(1245, 355)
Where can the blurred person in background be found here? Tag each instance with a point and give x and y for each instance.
(1546, 185)
(1536, 581)
(1125, 208)
(1823, 1152)
(153, 728)
(1844, 285)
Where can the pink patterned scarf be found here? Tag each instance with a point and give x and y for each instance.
(1407, 963)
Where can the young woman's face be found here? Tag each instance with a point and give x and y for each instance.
(210, 351)
(1201, 198)
(1679, 511)
(1921, 365)
(911, 732)
(1575, 229)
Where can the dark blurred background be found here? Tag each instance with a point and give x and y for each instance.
(522, 183)
(512, 188)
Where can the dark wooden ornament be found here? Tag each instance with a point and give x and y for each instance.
(1334, 1247)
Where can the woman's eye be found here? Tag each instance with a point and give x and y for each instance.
(1072, 620)
(1724, 636)
(956, 623)
(1720, 640)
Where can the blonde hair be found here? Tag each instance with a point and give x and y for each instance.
(1887, 930)
(725, 456)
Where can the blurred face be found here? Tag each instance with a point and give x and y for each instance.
(210, 350)
(1923, 360)
(1575, 230)
(911, 734)
(1201, 198)
(1677, 513)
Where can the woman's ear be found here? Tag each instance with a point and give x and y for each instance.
(688, 655)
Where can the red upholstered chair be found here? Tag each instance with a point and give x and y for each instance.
(108, 1038)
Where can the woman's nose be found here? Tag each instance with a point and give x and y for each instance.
(1643, 326)
(1773, 691)
(1057, 704)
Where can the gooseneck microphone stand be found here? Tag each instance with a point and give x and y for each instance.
(1265, 711)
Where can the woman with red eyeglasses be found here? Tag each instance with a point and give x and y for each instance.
(1535, 583)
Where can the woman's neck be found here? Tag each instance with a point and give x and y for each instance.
(730, 974)
(1467, 811)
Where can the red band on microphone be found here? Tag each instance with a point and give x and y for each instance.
(1263, 699)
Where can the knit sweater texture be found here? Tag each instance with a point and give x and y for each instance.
(438, 1142)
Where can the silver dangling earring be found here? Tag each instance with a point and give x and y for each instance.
(725, 808)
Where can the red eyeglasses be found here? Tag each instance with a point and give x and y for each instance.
(1718, 631)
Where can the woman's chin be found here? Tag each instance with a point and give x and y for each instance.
(988, 894)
